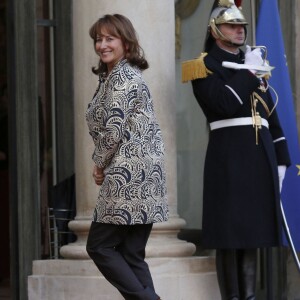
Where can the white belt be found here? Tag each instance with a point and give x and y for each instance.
(236, 122)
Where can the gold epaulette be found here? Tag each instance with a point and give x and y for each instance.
(194, 68)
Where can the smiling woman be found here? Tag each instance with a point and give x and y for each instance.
(129, 160)
(109, 48)
(113, 27)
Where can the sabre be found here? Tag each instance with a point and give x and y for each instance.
(284, 221)
(289, 237)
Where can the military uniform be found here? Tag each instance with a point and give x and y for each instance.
(241, 189)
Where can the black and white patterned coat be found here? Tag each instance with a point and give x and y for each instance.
(129, 146)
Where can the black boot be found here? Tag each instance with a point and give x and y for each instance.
(227, 274)
(247, 263)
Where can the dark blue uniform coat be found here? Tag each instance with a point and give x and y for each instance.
(241, 187)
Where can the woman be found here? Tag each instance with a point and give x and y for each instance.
(129, 160)
(246, 156)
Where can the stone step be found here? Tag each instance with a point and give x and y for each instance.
(192, 278)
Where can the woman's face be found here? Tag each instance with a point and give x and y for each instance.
(110, 49)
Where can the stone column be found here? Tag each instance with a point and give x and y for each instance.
(154, 22)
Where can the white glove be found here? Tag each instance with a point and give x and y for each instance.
(265, 74)
(281, 174)
(253, 57)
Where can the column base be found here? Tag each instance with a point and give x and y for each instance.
(180, 278)
(163, 241)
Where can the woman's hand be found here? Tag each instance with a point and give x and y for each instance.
(98, 175)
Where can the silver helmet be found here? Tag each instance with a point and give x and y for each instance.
(227, 12)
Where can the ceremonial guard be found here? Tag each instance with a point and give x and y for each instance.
(247, 153)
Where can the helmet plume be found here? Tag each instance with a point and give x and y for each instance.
(228, 3)
(238, 3)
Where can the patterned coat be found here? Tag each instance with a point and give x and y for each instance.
(129, 146)
(241, 186)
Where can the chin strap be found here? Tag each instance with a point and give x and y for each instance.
(224, 38)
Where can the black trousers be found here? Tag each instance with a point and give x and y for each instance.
(119, 253)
